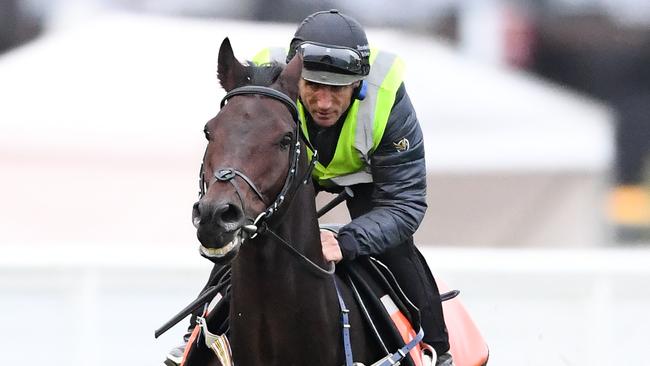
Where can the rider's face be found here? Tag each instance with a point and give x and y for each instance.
(326, 103)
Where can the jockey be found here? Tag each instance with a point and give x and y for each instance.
(354, 109)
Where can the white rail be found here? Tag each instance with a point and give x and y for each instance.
(99, 305)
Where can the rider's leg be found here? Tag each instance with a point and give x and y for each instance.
(415, 279)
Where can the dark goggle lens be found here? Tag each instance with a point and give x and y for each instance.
(340, 58)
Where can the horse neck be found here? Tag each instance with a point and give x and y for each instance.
(278, 304)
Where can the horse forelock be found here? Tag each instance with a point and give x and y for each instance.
(265, 74)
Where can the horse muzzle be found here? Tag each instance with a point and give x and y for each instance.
(218, 228)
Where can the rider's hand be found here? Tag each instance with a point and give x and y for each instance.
(331, 250)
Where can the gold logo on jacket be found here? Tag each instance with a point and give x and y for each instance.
(402, 145)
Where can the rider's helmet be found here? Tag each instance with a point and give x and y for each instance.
(334, 48)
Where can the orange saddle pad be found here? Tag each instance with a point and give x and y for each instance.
(467, 345)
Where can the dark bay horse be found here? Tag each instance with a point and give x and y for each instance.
(284, 308)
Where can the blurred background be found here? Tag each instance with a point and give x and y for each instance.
(536, 117)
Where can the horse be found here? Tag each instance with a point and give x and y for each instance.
(257, 217)
(257, 211)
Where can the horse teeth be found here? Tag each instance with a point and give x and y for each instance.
(220, 252)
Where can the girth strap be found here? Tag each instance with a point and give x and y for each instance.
(392, 359)
(345, 321)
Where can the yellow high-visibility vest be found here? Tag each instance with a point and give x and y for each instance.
(365, 123)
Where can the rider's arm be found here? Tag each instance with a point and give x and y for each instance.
(399, 194)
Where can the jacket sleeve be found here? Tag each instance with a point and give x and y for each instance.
(399, 192)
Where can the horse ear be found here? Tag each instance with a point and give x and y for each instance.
(230, 71)
(290, 76)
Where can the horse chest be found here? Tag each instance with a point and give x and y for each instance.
(285, 329)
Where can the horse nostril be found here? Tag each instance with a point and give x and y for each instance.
(230, 214)
(196, 215)
(222, 217)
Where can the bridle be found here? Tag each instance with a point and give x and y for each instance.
(260, 225)
(227, 174)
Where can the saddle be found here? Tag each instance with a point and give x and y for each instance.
(393, 319)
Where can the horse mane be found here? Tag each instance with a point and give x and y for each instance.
(264, 74)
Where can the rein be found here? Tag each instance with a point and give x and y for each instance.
(260, 224)
(315, 268)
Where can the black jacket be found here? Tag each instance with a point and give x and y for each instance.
(387, 212)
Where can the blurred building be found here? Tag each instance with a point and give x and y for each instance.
(512, 160)
(597, 54)
(597, 47)
(17, 24)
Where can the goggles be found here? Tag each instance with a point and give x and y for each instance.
(345, 59)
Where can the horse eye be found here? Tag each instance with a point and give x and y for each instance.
(286, 141)
(207, 133)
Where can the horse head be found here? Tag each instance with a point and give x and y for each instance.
(249, 154)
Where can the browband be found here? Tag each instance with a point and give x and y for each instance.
(266, 91)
